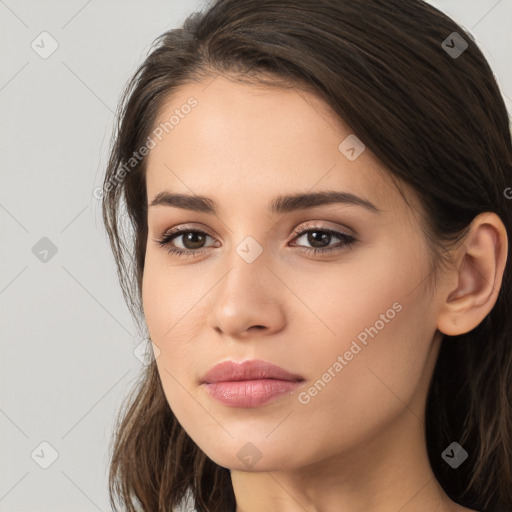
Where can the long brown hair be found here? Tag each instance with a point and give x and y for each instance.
(434, 118)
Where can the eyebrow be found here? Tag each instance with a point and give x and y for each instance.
(280, 204)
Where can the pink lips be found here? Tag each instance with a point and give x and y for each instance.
(249, 384)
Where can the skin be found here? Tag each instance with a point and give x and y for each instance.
(359, 444)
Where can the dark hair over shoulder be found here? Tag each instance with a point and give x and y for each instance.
(436, 121)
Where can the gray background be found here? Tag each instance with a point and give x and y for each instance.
(67, 340)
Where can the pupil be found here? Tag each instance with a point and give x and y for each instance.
(191, 237)
(313, 239)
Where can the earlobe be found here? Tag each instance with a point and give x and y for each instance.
(478, 268)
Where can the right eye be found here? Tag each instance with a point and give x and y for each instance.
(193, 237)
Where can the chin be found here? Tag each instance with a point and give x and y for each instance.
(248, 458)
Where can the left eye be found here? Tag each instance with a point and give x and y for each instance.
(321, 235)
(195, 238)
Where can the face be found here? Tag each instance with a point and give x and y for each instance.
(354, 322)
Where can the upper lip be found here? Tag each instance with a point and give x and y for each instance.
(247, 370)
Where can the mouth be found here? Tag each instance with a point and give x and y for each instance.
(250, 383)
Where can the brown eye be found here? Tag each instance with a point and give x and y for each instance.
(192, 241)
(319, 239)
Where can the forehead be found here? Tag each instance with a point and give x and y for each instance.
(241, 138)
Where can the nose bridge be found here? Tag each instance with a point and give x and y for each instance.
(248, 266)
(248, 294)
(249, 239)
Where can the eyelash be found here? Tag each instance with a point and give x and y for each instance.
(347, 241)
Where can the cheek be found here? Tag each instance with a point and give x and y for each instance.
(370, 327)
(375, 334)
(373, 384)
(169, 326)
(346, 304)
(174, 315)
(171, 299)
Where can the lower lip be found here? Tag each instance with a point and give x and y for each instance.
(250, 393)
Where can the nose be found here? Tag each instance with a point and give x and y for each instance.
(248, 301)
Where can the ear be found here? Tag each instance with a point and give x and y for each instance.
(474, 283)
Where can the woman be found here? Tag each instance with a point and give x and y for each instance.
(317, 197)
